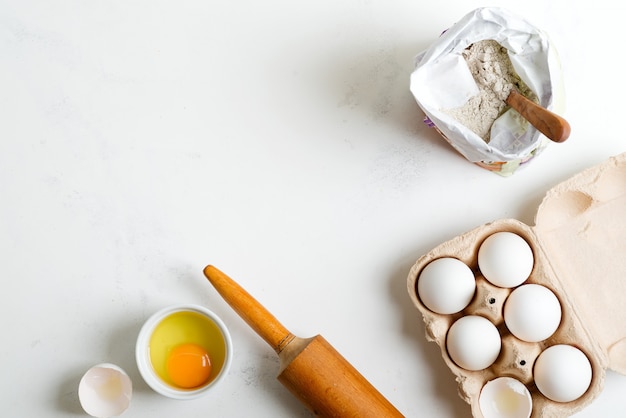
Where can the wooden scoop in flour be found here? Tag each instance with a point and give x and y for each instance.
(551, 125)
(309, 367)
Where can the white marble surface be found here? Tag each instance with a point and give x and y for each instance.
(141, 140)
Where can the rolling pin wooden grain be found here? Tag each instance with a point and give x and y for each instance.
(310, 368)
(551, 125)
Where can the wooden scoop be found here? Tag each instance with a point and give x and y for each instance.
(309, 367)
(551, 125)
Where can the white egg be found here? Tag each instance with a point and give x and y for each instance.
(473, 342)
(446, 285)
(105, 391)
(505, 259)
(532, 312)
(505, 397)
(562, 373)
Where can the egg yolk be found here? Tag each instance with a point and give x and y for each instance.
(189, 366)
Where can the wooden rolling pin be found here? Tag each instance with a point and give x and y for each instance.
(309, 367)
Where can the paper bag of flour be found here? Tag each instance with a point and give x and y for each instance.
(443, 82)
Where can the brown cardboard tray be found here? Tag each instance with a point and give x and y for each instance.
(579, 248)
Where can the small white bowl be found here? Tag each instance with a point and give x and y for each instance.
(105, 390)
(148, 372)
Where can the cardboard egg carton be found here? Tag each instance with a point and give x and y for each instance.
(579, 244)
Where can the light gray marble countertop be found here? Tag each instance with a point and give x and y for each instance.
(278, 140)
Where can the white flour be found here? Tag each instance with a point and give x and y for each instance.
(495, 76)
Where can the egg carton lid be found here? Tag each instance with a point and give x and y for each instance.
(581, 226)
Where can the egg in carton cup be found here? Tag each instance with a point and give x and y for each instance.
(442, 81)
(577, 243)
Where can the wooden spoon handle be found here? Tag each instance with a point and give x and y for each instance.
(251, 311)
(551, 125)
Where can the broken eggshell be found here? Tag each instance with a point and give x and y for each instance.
(505, 397)
(105, 390)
